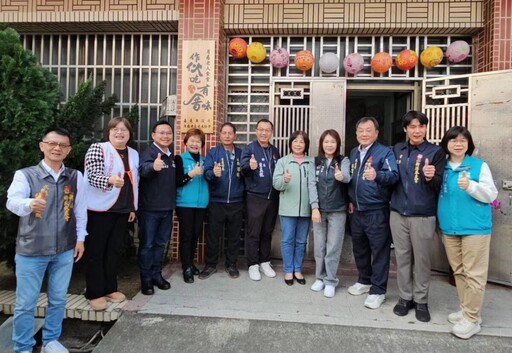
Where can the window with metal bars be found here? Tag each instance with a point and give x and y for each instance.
(140, 69)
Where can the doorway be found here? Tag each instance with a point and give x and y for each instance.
(387, 106)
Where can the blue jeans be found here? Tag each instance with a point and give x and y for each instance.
(155, 229)
(328, 238)
(294, 237)
(30, 271)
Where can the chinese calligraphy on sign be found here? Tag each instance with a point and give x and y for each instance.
(197, 92)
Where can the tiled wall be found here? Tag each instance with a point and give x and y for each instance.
(352, 16)
(494, 42)
(201, 19)
(85, 5)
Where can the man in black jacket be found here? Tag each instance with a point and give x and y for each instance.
(157, 201)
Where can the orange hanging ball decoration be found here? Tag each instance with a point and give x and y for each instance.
(431, 57)
(256, 52)
(406, 59)
(304, 60)
(381, 62)
(238, 48)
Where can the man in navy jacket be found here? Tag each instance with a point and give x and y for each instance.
(374, 172)
(258, 162)
(226, 208)
(157, 201)
(413, 213)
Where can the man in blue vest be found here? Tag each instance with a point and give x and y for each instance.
(226, 207)
(157, 201)
(50, 201)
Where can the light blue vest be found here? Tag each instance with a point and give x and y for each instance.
(194, 193)
(458, 213)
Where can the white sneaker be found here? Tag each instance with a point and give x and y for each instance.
(374, 301)
(317, 286)
(254, 272)
(456, 317)
(358, 288)
(329, 291)
(465, 329)
(54, 347)
(267, 269)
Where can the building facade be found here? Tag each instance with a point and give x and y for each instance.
(145, 51)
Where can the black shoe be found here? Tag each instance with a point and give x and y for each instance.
(422, 313)
(232, 271)
(146, 288)
(289, 282)
(161, 283)
(207, 272)
(402, 307)
(300, 280)
(188, 275)
(195, 270)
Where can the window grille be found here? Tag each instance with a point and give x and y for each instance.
(249, 86)
(140, 69)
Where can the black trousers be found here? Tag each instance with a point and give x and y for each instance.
(191, 227)
(224, 219)
(260, 222)
(102, 251)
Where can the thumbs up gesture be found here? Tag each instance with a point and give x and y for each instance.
(428, 170)
(253, 163)
(369, 173)
(196, 171)
(463, 181)
(287, 176)
(217, 170)
(38, 204)
(158, 164)
(338, 175)
(116, 181)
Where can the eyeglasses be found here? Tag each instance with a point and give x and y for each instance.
(264, 130)
(164, 133)
(53, 144)
(117, 129)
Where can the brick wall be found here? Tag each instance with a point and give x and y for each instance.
(493, 44)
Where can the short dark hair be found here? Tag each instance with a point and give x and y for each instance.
(161, 122)
(264, 121)
(228, 124)
(194, 132)
(411, 115)
(113, 123)
(296, 134)
(58, 130)
(333, 133)
(452, 133)
(366, 119)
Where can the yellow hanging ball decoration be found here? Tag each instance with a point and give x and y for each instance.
(256, 52)
(431, 57)
(304, 60)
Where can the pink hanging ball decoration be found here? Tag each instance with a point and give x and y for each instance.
(353, 63)
(279, 58)
(457, 51)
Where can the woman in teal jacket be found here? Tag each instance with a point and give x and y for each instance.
(191, 200)
(291, 180)
(465, 219)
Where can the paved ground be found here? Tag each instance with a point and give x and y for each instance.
(225, 315)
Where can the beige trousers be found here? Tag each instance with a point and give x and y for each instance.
(469, 258)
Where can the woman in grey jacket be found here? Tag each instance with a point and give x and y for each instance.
(328, 180)
(291, 180)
